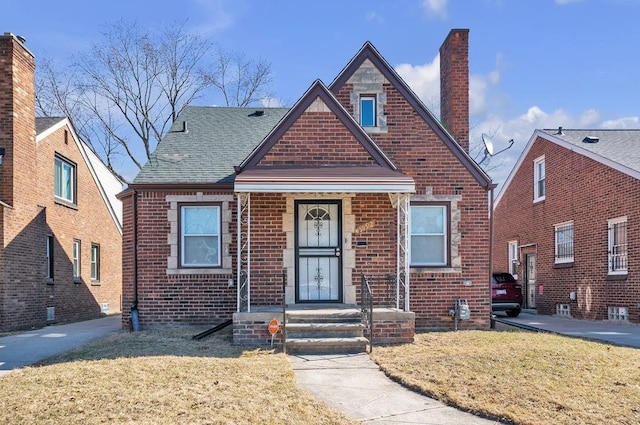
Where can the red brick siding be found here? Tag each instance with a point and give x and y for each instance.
(417, 151)
(317, 138)
(24, 290)
(193, 299)
(590, 194)
(454, 85)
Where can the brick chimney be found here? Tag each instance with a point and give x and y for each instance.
(17, 117)
(454, 85)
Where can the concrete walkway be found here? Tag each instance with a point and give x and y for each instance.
(354, 384)
(617, 333)
(25, 348)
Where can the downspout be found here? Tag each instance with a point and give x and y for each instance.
(491, 188)
(135, 322)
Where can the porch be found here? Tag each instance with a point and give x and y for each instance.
(329, 327)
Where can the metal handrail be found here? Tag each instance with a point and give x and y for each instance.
(367, 307)
(284, 311)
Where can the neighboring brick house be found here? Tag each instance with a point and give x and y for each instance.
(357, 178)
(566, 223)
(60, 222)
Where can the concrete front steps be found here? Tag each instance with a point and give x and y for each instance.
(325, 330)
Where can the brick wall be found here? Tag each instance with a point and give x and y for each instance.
(590, 194)
(168, 299)
(31, 213)
(454, 85)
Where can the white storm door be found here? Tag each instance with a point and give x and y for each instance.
(318, 249)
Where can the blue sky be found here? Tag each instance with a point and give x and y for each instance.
(533, 63)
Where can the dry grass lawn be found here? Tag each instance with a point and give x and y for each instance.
(521, 377)
(161, 377)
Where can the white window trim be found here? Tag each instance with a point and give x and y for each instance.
(73, 170)
(374, 101)
(183, 237)
(536, 178)
(513, 258)
(76, 255)
(95, 262)
(445, 234)
(610, 223)
(568, 259)
(173, 236)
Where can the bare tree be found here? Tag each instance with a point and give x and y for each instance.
(124, 94)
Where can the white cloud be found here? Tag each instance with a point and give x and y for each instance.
(622, 123)
(271, 102)
(435, 8)
(424, 80)
(216, 17)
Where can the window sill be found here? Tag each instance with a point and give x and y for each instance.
(375, 130)
(49, 281)
(567, 265)
(614, 277)
(434, 269)
(187, 271)
(77, 280)
(538, 200)
(95, 282)
(65, 203)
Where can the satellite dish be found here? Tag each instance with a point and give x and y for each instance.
(488, 145)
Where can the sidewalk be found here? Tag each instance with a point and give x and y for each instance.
(25, 348)
(353, 384)
(623, 334)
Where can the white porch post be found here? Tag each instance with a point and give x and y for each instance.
(243, 259)
(400, 201)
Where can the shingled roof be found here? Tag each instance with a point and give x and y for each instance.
(205, 143)
(619, 146)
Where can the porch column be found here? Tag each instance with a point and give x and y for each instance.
(243, 260)
(400, 201)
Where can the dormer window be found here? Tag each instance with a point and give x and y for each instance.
(368, 110)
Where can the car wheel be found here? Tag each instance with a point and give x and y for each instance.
(513, 313)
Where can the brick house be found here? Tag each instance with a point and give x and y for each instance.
(566, 223)
(60, 222)
(240, 210)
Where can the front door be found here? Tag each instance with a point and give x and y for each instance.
(318, 235)
(530, 281)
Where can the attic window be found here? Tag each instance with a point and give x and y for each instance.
(590, 139)
(368, 110)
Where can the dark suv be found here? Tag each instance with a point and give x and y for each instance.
(506, 294)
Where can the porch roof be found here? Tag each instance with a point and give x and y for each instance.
(357, 179)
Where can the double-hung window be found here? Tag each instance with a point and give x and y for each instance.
(95, 262)
(200, 242)
(368, 110)
(618, 245)
(64, 179)
(539, 178)
(429, 235)
(76, 259)
(564, 242)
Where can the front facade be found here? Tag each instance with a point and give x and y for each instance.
(566, 224)
(60, 231)
(240, 210)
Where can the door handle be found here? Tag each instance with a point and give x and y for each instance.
(337, 251)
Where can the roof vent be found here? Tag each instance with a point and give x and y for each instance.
(257, 113)
(590, 139)
(185, 129)
(559, 131)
